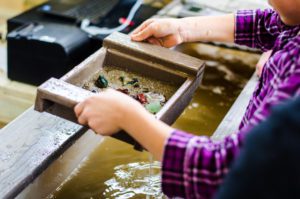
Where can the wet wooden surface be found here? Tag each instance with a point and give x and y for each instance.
(232, 119)
(29, 145)
(61, 168)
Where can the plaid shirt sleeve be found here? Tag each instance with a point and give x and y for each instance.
(285, 85)
(258, 28)
(194, 166)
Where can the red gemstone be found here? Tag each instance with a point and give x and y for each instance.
(142, 98)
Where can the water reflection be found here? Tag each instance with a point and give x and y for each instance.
(115, 170)
(108, 173)
(135, 180)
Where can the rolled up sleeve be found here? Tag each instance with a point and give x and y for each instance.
(258, 28)
(194, 166)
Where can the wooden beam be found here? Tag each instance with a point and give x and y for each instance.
(61, 169)
(29, 145)
(233, 118)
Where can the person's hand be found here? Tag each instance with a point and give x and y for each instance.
(110, 111)
(105, 113)
(262, 61)
(162, 32)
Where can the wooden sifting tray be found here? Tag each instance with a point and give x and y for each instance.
(160, 66)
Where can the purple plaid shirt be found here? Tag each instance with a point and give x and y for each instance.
(194, 166)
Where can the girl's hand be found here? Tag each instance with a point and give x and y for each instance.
(110, 111)
(162, 32)
(106, 112)
(262, 61)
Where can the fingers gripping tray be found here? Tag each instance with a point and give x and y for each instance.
(163, 80)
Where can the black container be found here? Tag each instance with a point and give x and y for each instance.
(38, 51)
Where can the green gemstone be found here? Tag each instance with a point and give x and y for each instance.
(153, 107)
(101, 82)
(133, 81)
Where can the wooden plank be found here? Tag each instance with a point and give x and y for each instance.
(29, 145)
(154, 54)
(232, 119)
(62, 168)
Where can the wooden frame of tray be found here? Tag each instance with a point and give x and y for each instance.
(59, 97)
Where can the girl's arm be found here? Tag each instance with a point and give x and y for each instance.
(171, 32)
(147, 130)
(111, 111)
(208, 28)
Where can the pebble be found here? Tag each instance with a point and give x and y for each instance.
(101, 82)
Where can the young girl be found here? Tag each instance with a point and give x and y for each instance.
(194, 166)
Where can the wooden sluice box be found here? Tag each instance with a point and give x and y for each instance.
(163, 80)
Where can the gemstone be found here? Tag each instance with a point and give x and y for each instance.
(153, 97)
(101, 82)
(142, 98)
(153, 107)
(133, 81)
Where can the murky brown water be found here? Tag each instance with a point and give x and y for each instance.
(115, 170)
(2, 125)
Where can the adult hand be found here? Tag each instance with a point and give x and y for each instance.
(162, 32)
(106, 112)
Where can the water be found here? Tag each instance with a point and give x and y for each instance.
(115, 170)
(138, 179)
(150, 173)
(1, 125)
